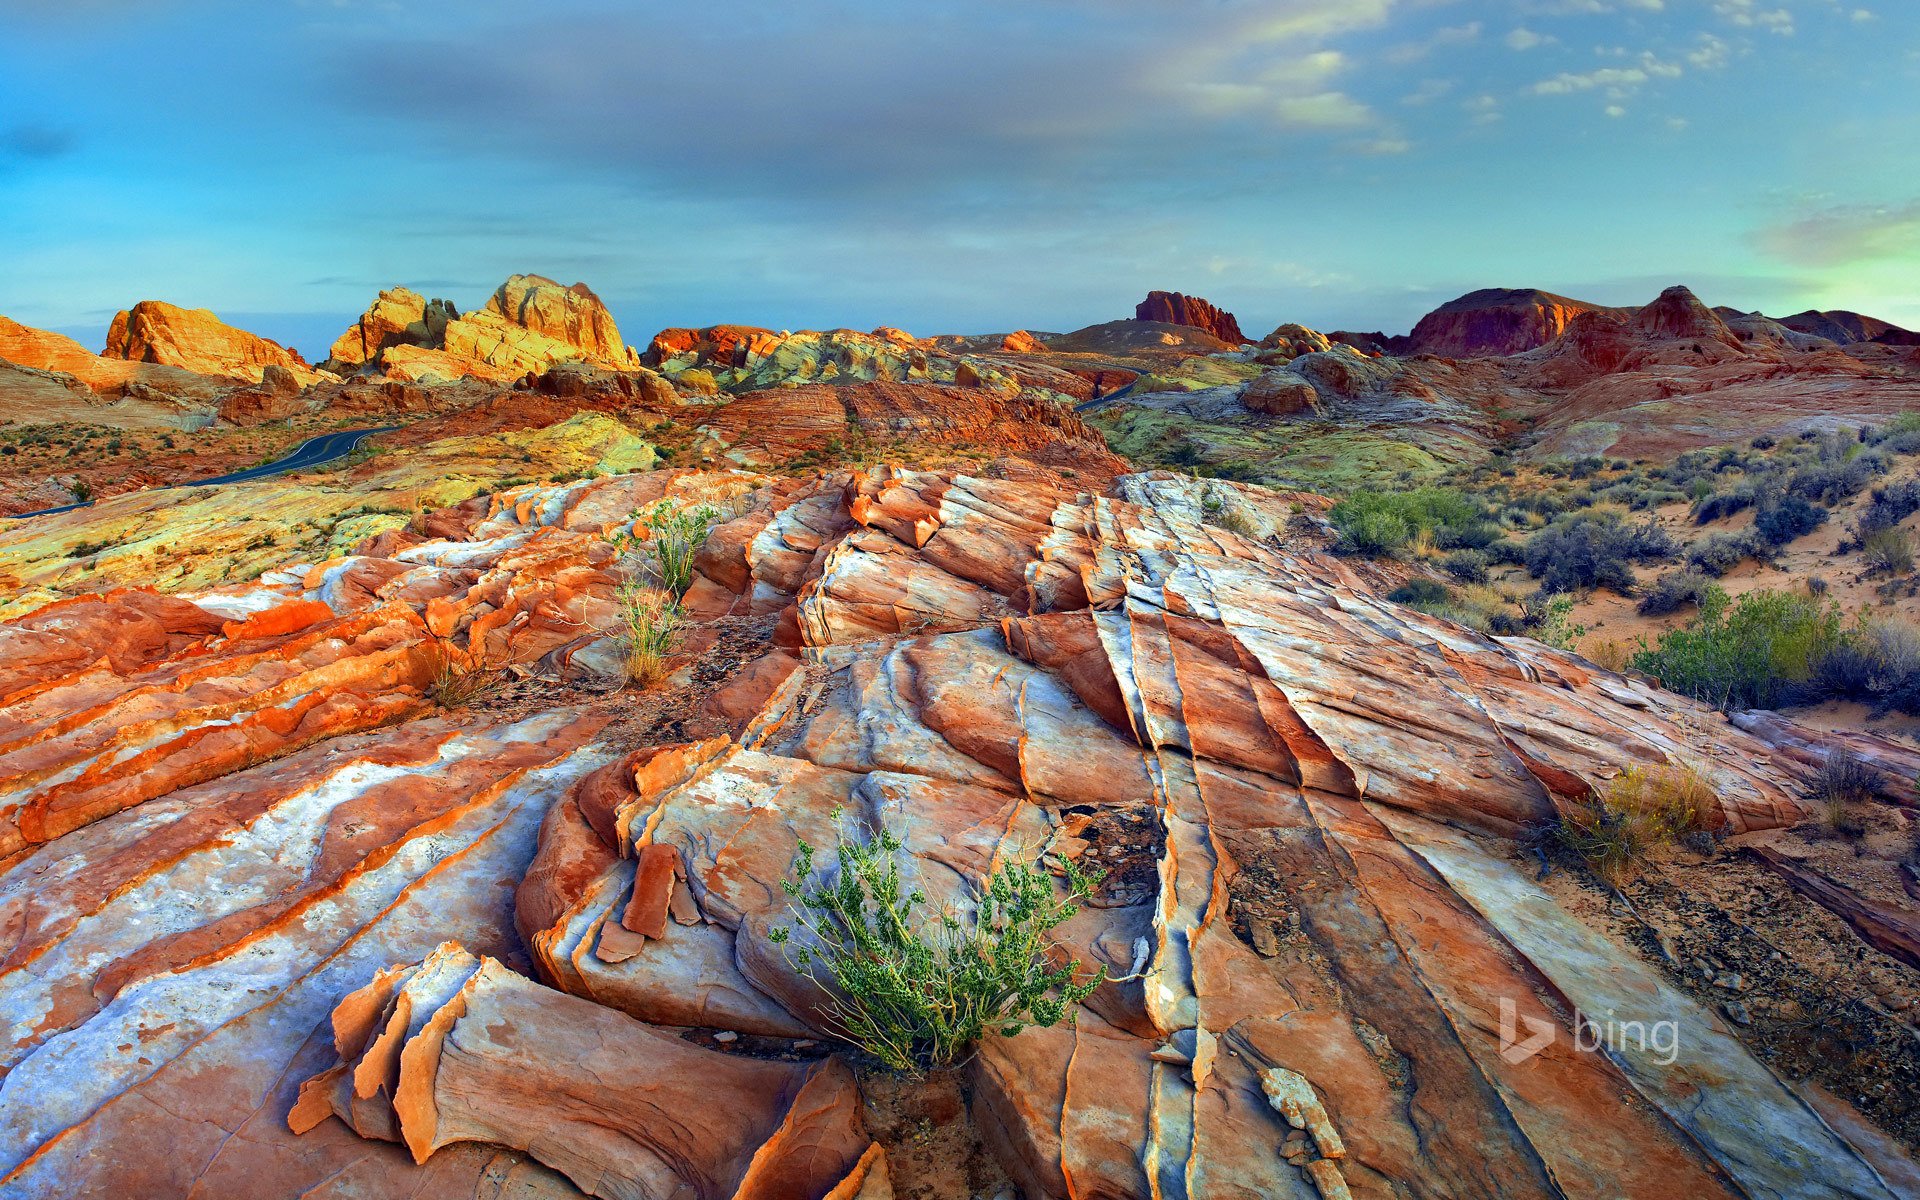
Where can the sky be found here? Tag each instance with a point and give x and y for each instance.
(953, 166)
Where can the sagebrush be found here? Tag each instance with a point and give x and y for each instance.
(916, 988)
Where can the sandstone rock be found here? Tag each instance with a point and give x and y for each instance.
(1172, 308)
(1289, 342)
(1495, 321)
(397, 317)
(1022, 342)
(153, 331)
(980, 667)
(1845, 328)
(572, 316)
(41, 351)
(1678, 314)
(1280, 394)
(459, 1048)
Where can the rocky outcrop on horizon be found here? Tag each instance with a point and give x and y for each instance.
(397, 317)
(1172, 308)
(195, 340)
(1494, 321)
(1845, 328)
(241, 838)
(529, 324)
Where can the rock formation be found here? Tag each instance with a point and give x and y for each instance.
(1172, 308)
(397, 317)
(1289, 342)
(239, 837)
(1678, 314)
(573, 316)
(529, 324)
(1844, 328)
(1022, 342)
(1494, 321)
(153, 331)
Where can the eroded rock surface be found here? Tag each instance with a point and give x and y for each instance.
(154, 331)
(240, 836)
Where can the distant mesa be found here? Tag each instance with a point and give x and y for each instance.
(193, 339)
(529, 325)
(1845, 328)
(1172, 308)
(1493, 321)
(1122, 337)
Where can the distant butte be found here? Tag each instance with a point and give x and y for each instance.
(1172, 308)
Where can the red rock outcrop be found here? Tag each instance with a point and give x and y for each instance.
(1844, 328)
(1495, 321)
(1022, 342)
(397, 317)
(572, 315)
(153, 331)
(1678, 314)
(1313, 922)
(1172, 308)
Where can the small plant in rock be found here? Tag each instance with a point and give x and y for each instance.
(457, 686)
(673, 537)
(1842, 782)
(1642, 809)
(651, 624)
(914, 988)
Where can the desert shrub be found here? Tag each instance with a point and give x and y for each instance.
(1724, 504)
(1418, 592)
(1468, 566)
(1759, 653)
(1642, 809)
(1763, 442)
(1700, 489)
(1506, 553)
(1840, 469)
(1586, 468)
(1673, 590)
(1654, 497)
(1718, 553)
(1594, 550)
(1879, 664)
(1787, 518)
(1888, 551)
(651, 624)
(457, 685)
(1842, 782)
(1890, 505)
(1380, 523)
(917, 991)
(1222, 509)
(1901, 435)
(674, 535)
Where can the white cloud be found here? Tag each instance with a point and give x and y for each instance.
(1614, 110)
(1322, 110)
(1747, 14)
(1428, 91)
(1847, 234)
(1523, 38)
(1710, 55)
(1457, 35)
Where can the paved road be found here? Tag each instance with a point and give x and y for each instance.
(313, 452)
(1116, 393)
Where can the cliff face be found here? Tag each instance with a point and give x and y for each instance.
(1494, 321)
(1172, 308)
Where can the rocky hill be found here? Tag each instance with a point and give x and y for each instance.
(195, 340)
(1172, 308)
(1493, 321)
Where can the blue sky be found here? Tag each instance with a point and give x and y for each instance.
(952, 166)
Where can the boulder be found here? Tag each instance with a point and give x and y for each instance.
(1280, 394)
(1022, 342)
(1172, 308)
(1289, 342)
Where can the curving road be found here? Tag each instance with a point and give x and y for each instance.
(1116, 393)
(314, 452)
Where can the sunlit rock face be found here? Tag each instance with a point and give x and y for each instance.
(1494, 321)
(154, 331)
(1172, 308)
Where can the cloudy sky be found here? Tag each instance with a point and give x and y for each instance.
(954, 165)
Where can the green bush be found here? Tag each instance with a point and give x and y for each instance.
(673, 536)
(1673, 591)
(1759, 653)
(1421, 593)
(1594, 550)
(1468, 566)
(917, 992)
(1382, 523)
